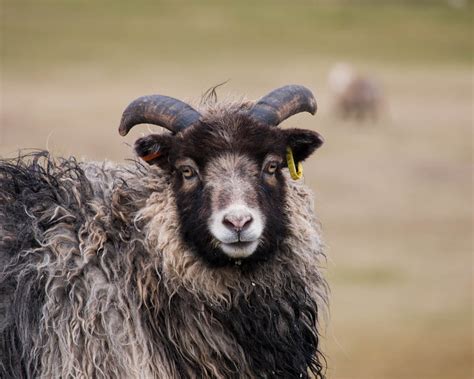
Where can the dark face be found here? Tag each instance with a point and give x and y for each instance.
(228, 183)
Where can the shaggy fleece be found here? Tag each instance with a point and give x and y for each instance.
(96, 282)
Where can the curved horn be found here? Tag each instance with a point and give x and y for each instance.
(282, 103)
(164, 111)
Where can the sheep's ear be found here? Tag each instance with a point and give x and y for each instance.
(303, 142)
(154, 149)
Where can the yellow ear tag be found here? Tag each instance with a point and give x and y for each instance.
(295, 174)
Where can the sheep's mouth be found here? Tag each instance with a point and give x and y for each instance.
(239, 249)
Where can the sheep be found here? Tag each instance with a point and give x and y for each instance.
(202, 260)
(356, 96)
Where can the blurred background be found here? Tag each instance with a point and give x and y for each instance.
(393, 183)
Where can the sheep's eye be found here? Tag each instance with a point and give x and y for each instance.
(188, 172)
(271, 167)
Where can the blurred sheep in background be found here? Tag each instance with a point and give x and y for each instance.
(355, 95)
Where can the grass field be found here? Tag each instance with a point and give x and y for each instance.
(394, 196)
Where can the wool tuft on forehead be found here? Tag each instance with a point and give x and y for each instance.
(227, 127)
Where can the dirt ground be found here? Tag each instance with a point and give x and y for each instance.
(394, 196)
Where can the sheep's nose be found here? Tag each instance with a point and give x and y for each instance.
(237, 222)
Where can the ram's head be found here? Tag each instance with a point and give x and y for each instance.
(225, 165)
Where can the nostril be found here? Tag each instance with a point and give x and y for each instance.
(237, 222)
(246, 222)
(228, 223)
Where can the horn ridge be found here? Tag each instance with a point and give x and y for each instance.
(282, 103)
(168, 112)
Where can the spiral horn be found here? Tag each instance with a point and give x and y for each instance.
(164, 111)
(282, 103)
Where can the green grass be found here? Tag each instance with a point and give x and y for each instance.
(39, 33)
